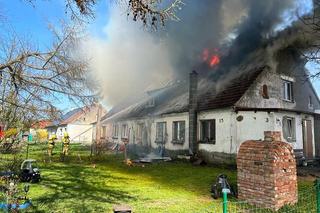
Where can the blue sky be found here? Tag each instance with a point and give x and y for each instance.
(31, 21)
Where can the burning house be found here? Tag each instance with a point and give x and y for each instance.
(259, 84)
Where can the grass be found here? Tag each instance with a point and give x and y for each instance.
(83, 184)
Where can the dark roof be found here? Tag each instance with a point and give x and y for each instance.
(165, 102)
(68, 117)
(71, 115)
(221, 89)
(231, 94)
(175, 99)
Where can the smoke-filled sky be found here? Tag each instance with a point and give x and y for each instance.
(127, 59)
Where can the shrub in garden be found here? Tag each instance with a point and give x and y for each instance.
(42, 135)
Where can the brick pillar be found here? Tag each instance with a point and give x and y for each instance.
(266, 172)
(193, 92)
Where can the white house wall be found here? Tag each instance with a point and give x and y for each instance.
(132, 126)
(60, 131)
(230, 132)
(252, 126)
(169, 119)
(272, 79)
(80, 133)
(298, 144)
(150, 128)
(225, 140)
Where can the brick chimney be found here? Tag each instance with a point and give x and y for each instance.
(193, 93)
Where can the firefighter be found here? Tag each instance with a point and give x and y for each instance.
(51, 143)
(66, 142)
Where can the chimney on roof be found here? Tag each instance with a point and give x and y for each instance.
(193, 93)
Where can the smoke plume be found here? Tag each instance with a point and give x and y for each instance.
(130, 60)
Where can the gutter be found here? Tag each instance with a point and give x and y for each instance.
(237, 109)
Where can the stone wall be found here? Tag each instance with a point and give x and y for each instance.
(217, 157)
(267, 172)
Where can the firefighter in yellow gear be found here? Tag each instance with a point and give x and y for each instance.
(66, 143)
(51, 143)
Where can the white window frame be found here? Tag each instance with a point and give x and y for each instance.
(178, 131)
(140, 127)
(287, 89)
(103, 132)
(289, 128)
(124, 131)
(208, 140)
(161, 136)
(115, 130)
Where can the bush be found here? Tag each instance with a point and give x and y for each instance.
(42, 135)
(10, 132)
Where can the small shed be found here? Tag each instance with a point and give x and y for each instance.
(267, 172)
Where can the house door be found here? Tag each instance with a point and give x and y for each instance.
(307, 139)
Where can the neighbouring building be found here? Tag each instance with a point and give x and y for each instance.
(41, 124)
(78, 123)
(215, 112)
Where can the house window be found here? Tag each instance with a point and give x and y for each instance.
(287, 90)
(139, 131)
(288, 128)
(104, 132)
(150, 103)
(208, 131)
(124, 131)
(310, 102)
(265, 93)
(160, 132)
(178, 131)
(115, 131)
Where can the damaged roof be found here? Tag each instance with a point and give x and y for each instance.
(170, 99)
(230, 95)
(212, 94)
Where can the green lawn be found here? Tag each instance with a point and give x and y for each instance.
(79, 186)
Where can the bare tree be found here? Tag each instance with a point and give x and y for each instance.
(152, 13)
(311, 37)
(76, 8)
(31, 79)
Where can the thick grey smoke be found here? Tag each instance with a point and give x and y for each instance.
(128, 61)
(131, 60)
(200, 27)
(261, 20)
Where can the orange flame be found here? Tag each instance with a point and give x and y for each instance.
(212, 59)
(215, 60)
